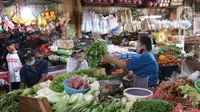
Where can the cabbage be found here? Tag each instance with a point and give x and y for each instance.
(54, 98)
(36, 88)
(45, 92)
(88, 97)
(80, 97)
(27, 91)
(62, 103)
(95, 86)
(75, 97)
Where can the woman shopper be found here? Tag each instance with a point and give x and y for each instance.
(144, 66)
(77, 60)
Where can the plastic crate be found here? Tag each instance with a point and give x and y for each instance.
(4, 76)
(168, 70)
(124, 56)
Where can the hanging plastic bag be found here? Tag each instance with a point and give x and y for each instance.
(185, 71)
(83, 22)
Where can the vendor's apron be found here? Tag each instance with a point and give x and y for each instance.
(140, 81)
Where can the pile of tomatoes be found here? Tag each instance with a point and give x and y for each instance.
(165, 61)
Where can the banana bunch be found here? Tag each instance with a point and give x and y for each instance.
(41, 22)
(49, 15)
(15, 18)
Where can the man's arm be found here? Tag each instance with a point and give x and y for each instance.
(44, 73)
(117, 62)
(22, 78)
(43, 78)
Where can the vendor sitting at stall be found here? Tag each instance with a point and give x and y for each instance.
(77, 60)
(34, 71)
(144, 66)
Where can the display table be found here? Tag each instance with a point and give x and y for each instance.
(54, 70)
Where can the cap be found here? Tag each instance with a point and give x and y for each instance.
(10, 42)
(77, 49)
(29, 53)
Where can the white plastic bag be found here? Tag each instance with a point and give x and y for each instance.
(83, 22)
(194, 76)
(185, 71)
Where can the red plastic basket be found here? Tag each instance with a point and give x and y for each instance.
(4, 76)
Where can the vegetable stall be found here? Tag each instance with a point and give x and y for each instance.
(86, 91)
(83, 91)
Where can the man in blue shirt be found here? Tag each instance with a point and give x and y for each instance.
(34, 71)
(144, 66)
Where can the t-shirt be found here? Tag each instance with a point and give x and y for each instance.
(30, 77)
(144, 65)
(13, 62)
(72, 63)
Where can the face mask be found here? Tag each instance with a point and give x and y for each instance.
(31, 63)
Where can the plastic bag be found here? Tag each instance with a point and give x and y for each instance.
(158, 94)
(185, 71)
(194, 76)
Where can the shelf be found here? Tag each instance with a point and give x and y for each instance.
(123, 5)
(41, 3)
(192, 43)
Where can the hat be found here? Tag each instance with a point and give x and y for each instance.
(10, 42)
(77, 49)
(29, 53)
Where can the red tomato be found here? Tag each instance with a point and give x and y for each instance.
(50, 77)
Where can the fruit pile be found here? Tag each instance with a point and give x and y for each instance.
(77, 83)
(166, 61)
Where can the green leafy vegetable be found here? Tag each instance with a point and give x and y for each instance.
(57, 84)
(10, 102)
(152, 106)
(94, 53)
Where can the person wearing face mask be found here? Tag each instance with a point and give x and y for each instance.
(34, 71)
(14, 64)
(143, 66)
(77, 60)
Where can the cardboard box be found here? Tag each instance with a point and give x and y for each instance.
(65, 44)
